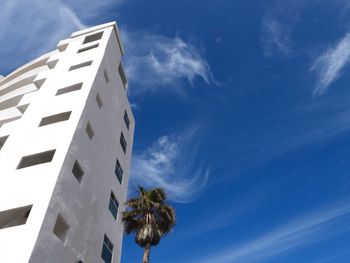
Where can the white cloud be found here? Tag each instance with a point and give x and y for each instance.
(30, 28)
(297, 233)
(155, 61)
(168, 163)
(330, 64)
(275, 36)
(93, 9)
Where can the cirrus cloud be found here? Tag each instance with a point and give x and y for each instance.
(168, 163)
(155, 61)
(330, 64)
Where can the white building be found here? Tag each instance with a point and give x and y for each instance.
(66, 134)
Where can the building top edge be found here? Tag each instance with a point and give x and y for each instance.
(100, 27)
(92, 29)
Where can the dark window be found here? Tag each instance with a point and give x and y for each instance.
(55, 118)
(81, 65)
(69, 89)
(3, 140)
(78, 172)
(93, 37)
(61, 228)
(36, 159)
(52, 64)
(14, 217)
(23, 108)
(123, 142)
(89, 131)
(119, 171)
(107, 250)
(122, 75)
(126, 120)
(87, 48)
(105, 75)
(113, 206)
(99, 101)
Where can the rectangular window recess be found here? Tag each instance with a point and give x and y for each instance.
(126, 120)
(14, 217)
(52, 64)
(113, 206)
(122, 75)
(23, 108)
(69, 89)
(39, 83)
(89, 131)
(107, 250)
(78, 172)
(123, 142)
(55, 118)
(35, 159)
(61, 229)
(119, 171)
(81, 65)
(99, 101)
(93, 37)
(88, 48)
(105, 75)
(2, 141)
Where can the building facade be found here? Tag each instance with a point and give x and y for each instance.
(66, 135)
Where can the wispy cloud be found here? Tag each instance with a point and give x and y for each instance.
(295, 234)
(275, 36)
(29, 28)
(330, 64)
(93, 10)
(169, 163)
(155, 61)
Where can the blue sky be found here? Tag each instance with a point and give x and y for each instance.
(243, 115)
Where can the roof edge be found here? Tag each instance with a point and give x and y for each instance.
(99, 27)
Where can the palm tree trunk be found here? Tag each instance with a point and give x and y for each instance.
(146, 253)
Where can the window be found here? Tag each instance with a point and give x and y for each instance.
(113, 206)
(93, 37)
(81, 65)
(78, 172)
(52, 64)
(126, 119)
(123, 142)
(122, 75)
(69, 89)
(105, 75)
(87, 48)
(107, 250)
(3, 140)
(23, 108)
(14, 217)
(89, 131)
(99, 101)
(119, 171)
(35, 159)
(38, 83)
(55, 118)
(61, 229)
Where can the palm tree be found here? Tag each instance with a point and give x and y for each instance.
(150, 217)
